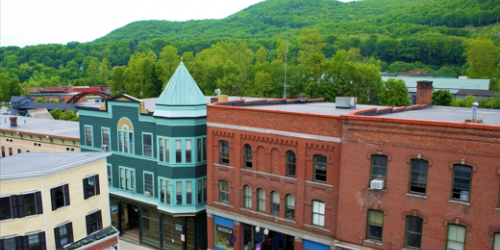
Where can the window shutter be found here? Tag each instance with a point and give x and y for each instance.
(69, 228)
(87, 219)
(66, 194)
(57, 238)
(99, 219)
(38, 199)
(13, 201)
(53, 198)
(85, 188)
(26, 243)
(41, 237)
(19, 242)
(1, 244)
(20, 205)
(96, 184)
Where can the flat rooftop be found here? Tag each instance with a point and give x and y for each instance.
(56, 128)
(35, 164)
(430, 113)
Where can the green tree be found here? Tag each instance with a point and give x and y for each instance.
(56, 113)
(41, 100)
(261, 55)
(442, 97)
(311, 42)
(481, 55)
(263, 84)
(394, 93)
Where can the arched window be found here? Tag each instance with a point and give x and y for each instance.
(418, 179)
(125, 136)
(456, 237)
(247, 156)
(261, 200)
(224, 152)
(462, 179)
(223, 191)
(414, 227)
(290, 164)
(275, 203)
(290, 206)
(247, 197)
(320, 168)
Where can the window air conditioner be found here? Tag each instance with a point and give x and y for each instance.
(131, 190)
(377, 184)
(105, 147)
(146, 193)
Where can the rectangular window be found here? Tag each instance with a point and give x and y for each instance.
(6, 208)
(318, 211)
(91, 186)
(10, 152)
(247, 197)
(19, 151)
(290, 207)
(163, 190)
(205, 149)
(147, 142)
(188, 151)
(178, 151)
(379, 167)
(275, 203)
(10, 243)
(200, 198)
(29, 204)
(320, 168)
(496, 242)
(418, 178)
(88, 136)
(462, 176)
(167, 150)
(94, 222)
(120, 141)
(131, 140)
(375, 224)
(3, 151)
(189, 192)
(223, 191)
(261, 200)
(105, 136)
(414, 227)
(110, 175)
(456, 237)
(127, 179)
(205, 189)
(59, 196)
(198, 150)
(63, 234)
(160, 149)
(169, 188)
(33, 242)
(224, 152)
(179, 192)
(148, 184)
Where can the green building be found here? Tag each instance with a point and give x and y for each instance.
(157, 173)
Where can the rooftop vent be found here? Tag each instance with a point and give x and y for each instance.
(345, 102)
(302, 98)
(474, 119)
(13, 121)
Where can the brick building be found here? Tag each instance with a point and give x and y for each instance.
(289, 175)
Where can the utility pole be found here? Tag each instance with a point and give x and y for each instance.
(286, 54)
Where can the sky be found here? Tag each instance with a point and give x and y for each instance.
(33, 22)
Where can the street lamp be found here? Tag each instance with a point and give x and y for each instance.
(257, 229)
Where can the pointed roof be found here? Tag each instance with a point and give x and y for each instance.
(181, 90)
(181, 98)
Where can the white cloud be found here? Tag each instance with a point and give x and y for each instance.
(31, 22)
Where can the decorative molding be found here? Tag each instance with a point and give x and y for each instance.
(493, 230)
(376, 206)
(323, 185)
(125, 121)
(419, 157)
(457, 221)
(414, 213)
(378, 152)
(223, 133)
(143, 109)
(463, 162)
(268, 139)
(320, 147)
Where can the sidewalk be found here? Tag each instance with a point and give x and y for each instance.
(124, 245)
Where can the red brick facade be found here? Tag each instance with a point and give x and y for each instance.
(346, 193)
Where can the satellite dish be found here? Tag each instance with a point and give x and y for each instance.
(217, 91)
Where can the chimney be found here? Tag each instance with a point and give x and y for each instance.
(37, 107)
(424, 92)
(13, 121)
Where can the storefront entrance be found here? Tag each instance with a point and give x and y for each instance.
(253, 240)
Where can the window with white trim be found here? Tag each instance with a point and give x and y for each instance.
(456, 237)
(318, 213)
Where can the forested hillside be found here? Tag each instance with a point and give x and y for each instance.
(244, 54)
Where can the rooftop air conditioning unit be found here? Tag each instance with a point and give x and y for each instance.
(104, 147)
(146, 193)
(377, 184)
(345, 102)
